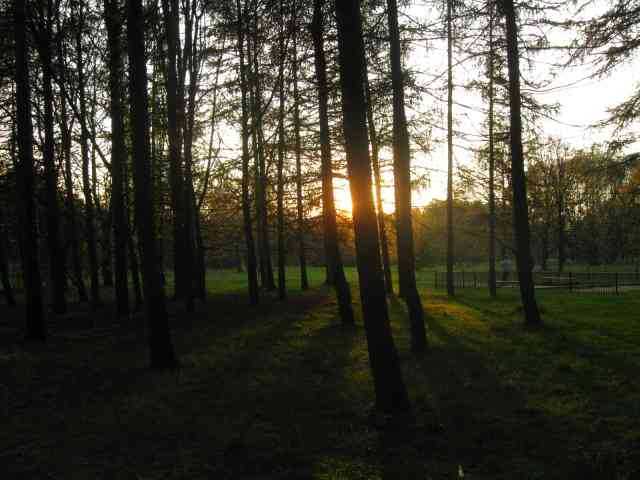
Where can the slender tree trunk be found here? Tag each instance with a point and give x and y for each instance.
(89, 211)
(282, 281)
(520, 209)
(252, 267)
(174, 129)
(450, 240)
(56, 254)
(118, 155)
(331, 246)
(391, 393)
(72, 230)
(561, 216)
(375, 160)
(493, 291)
(304, 280)
(35, 321)
(161, 347)
(7, 288)
(402, 174)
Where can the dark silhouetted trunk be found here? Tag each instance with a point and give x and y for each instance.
(561, 216)
(450, 244)
(391, 393)
(35, 322)
(118, 155)
(7, 288)
(402, 175)
(304, 280)
(493, 291)
(520, 209)
(175, 122)
(252, 266)
(89, 211)
(282, 281)
(377, 178)
(161, 347)
(331, 246)
(56, 253)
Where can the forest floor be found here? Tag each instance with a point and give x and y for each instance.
(282, 391)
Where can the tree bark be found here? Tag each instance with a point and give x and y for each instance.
(331, 245)
(519, 185)
(450, 240)
(56, 253)
(304, 280)
(161, 347)
(282, 281)
(402, 175)
(375, 160)
(252, 267)
(35, 321)
(89, 211)
(493, 291)
(7, 288)
(391, 393)
(113, 23)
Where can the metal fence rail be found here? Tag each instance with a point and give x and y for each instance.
(607, 283)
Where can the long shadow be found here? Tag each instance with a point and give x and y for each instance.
(471, 418)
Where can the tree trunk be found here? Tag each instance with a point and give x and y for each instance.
(375, 160)
(113, 22)
(450, 241)
(174, 131)
(7, 288)
(161, 347)
(402, 175)
(493, 291)
(304, 280)
(282, 281)
(519, 184)
(561, 216)
(252, 267)
(391, 393)
(331, 246)
(56, 253)
(35, 322)
(89, 212)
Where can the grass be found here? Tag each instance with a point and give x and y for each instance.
(282, 391)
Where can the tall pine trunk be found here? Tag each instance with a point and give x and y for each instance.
(89, 210)
(282, 281)
(252, 264)
(331, 246)
(7, 288)
(35, 321)
(520, 208)
(304, 280)
(493, 291)
(450, 241)
(113, 22)
(391, 393)
(56, 255)
(377, 178)
(402, 175)
(161, 347)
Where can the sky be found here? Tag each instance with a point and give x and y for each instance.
(583, 102)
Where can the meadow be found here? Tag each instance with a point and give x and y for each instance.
(283, 391)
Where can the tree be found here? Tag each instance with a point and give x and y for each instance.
(331, 246)
(118, 154)
(161, 347)
(391, 393)
(252, 267)
(282, 281)
(520, 208)
(450, 240)
(35, 322)
(402, 177)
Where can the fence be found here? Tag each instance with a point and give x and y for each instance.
(608, 283)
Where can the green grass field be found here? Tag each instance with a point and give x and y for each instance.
(282, 391)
